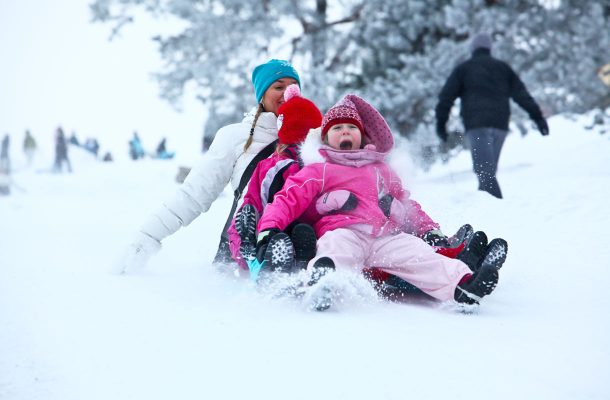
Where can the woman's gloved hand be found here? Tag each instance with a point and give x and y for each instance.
(137, 254)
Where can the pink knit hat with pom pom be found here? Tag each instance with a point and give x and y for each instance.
(344, 112)
(355, 110)
(296, 116)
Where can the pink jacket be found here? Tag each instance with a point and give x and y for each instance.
(269, 173)
(363, 173)
(302, 197)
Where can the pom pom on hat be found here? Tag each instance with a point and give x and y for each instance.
(292, 91)
(296, 116)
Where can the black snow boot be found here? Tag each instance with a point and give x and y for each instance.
(474, 251)
(246, 220)
(279, 255)
(462, 235)
(304, 240)
(485, 279)
(321, 267)
(323, 300)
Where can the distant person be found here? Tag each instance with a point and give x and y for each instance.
(162, 150)
(61, 152)
(136, 151)
(92, 146)
(74, 139)
(5, 183)
(485, 85)
(107, 157)
(29, 147)
(5, 162)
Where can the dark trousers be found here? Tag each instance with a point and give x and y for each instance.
(5, 164)
(58, 165)
(485, 147)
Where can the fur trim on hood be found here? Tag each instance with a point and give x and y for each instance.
(309, 150)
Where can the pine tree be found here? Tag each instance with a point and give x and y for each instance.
(224, 40)
(395, 53)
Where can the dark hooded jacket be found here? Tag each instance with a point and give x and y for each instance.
(485, 85)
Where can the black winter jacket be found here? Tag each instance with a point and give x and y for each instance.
(485, 85)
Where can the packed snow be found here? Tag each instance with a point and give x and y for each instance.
(72, 328)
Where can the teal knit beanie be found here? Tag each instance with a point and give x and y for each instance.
(265, 74)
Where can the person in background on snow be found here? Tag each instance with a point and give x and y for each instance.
(73, 139)
(61, 152)
(162, 152)
(349, 156)
(136, 150)
(5, 162)
(92, 146)
(485, 85)
(296, 116)
(29, 147)
(232, 157)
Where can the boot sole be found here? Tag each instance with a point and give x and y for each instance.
(464, 234)
(496, 253)
(245, 223)
(475, 251)
(280, 253)
(324, 300)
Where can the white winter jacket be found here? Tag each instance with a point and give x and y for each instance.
(224, 161)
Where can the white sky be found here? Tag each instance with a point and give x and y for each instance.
(57, 68)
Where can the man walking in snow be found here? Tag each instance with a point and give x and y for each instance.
(5, 163)
(485, 84)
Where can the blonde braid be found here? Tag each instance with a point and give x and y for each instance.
(280, 148)
(258, 113)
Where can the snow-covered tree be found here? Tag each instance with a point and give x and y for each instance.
(408, 48)
(396, 53)
(224, 40)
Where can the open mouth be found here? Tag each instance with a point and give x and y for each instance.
(346, 145)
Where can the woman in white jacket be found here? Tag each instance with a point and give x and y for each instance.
(239, 146)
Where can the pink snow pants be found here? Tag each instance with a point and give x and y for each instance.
(403, 255)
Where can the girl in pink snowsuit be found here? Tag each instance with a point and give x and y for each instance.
(348, 157)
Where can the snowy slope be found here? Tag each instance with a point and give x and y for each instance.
(73, 329)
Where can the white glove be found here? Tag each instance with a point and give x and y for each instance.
(138, 253)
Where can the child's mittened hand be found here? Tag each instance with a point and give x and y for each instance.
(436, 238)
(336, 200)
